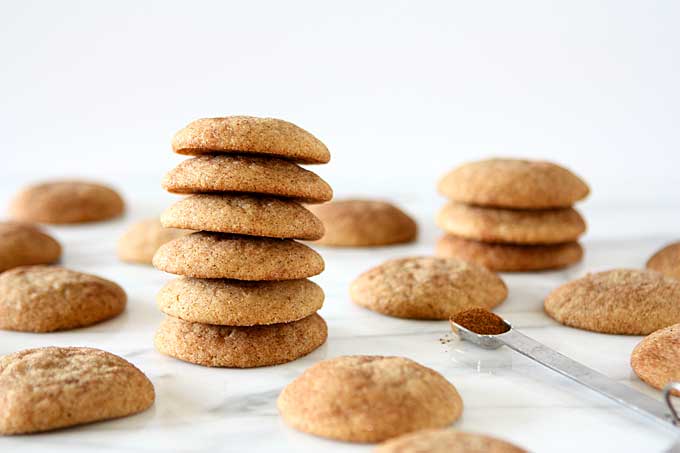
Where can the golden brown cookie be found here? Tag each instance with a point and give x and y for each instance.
(62, 202)
(240, 347)
(509, 257)
(666, 260)
(368, 399)
(244, 214)
(364, 223)
(248, 134)
(656, 359)
(249, 174)
(50, 388)
(49, 298)
(22, 244)
(239, 303)
(216, 255)
(513, 183)
(427, 288)
(447, 441)
(513, 226)
(142, 239)
(620, 301)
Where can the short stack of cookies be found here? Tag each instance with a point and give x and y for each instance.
(512, 215)
(243, 299)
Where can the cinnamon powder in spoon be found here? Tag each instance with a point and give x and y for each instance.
(481, 321)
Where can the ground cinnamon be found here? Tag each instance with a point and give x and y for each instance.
(481, 321)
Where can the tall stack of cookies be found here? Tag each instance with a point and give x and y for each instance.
(512, 215)
(243, 298)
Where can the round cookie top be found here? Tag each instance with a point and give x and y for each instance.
(250, 215)
(620, 301)
(513, 183)
(240, 347)
(364, 223)
(249, 174)
(368, 399)
(553, 226)
(23, 244)
(49, 298)
(142, 239)
(447, 441)
(239, 303)
(216, 255)
(61, 202)
(427, 288)
(656, 359)
(252, 135)
(666, 260)
(49, 388)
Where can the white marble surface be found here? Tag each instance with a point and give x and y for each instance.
(203, 409)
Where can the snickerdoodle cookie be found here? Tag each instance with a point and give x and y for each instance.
(666, 260)
(364, 223)
(49, 298)
(552, 226)
(513, 183)
(50, 388)
(620, 301)
(510, 257)
(368, 399)
(240, 347)
(66, 202)
(216, 255)
(239, 303)
(656, 359)
(427, 288)
(142, 239)
(22, 244)
(447, 441)
(251, 135)
(249, 174)
(244, 214)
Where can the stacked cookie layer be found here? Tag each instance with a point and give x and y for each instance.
(243, 298)
(512, 215)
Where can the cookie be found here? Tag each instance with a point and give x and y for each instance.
(239, 303)
(215, 255)
(509, 257)
(251, 135)
(249, 174)
(240, 347)
(447, 441)
(656, 359)
(23, 244)
(427, 288)
(142, 239)
(244, 214)
(666, 260)
(62, 202)
(620, 301)
(49, 388)
(368, 399)
(49, 298)
(553, 226)
(364, 223)
(513, 183)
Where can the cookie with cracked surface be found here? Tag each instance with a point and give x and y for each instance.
(247, 174)
(619, 301)
(250, 215)
(447, 441)
(217, 255)
(239, 303)
(251, 135)
(666, 260)
(22, 244)
(49, 388)
(240, 347)
(142, 239)
(50, 298)
(368, 399)
(513, 183)
(364, 223)
(656, 359)
(63, 202)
